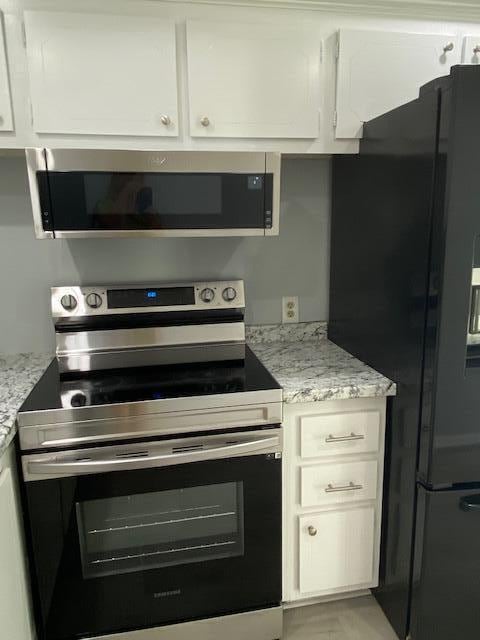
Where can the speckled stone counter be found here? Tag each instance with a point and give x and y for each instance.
(18, 374)
(310, 368)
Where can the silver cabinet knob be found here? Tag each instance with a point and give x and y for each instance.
(68, 302)
(476, 49)
(166, 120)
(312, 531)
(448, 47)
(207, 295)
(205, 122)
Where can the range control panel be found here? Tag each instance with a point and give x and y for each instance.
(196, 296)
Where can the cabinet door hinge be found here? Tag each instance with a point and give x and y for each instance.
(31, 114)
(24, 35)
(335, 118)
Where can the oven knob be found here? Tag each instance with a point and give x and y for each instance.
(229, 294)
(207, 295)
(78, 400)
(94, 300)
(68, 302)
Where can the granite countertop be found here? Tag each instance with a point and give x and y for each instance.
(311, 368)
(18, 374)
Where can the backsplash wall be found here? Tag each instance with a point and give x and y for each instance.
(294, 263)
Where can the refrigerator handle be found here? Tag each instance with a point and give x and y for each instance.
(470, 503)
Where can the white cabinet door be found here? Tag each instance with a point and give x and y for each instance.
(336, 549)
(253, 81)
(471, 50)
(6, 118)
(14, 614)
(99, 74)
(378, 71)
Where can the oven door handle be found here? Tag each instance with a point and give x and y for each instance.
(142, 460)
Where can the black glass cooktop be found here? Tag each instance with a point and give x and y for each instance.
(55, 391)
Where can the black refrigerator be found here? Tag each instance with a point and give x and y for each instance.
(405, 298)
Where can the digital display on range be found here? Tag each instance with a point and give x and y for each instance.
(161, 297)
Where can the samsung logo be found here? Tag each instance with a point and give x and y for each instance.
(166, 594)
(157, 160)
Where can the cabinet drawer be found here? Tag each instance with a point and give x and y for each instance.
(338, 483)
(336, 549)
(339, 433)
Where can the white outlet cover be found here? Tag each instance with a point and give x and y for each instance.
(289, 309)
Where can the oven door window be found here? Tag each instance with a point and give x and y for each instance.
(89, 201)
(159, 529)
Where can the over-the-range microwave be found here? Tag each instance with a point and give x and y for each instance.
(78, 193)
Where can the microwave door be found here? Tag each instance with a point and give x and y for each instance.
(133, 198)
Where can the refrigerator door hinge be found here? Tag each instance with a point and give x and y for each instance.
(24, 35)
(335, 118)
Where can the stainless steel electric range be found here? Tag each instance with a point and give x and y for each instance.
(151, 457)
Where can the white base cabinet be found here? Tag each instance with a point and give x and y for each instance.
(15, 615)
(6, 117)
(333, 476)
(336, 549)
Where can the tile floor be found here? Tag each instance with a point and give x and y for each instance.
(354, 619)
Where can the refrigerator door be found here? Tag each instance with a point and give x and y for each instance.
(381, 221)
(450, 434)
(446, 580)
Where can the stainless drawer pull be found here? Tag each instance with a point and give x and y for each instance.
(352, 436)
(351, 486)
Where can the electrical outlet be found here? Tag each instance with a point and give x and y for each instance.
(289, 309)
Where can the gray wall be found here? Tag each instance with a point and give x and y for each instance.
(295, 263)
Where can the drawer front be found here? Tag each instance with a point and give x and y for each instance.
(325, 484)
(336, 549)
(334, 434)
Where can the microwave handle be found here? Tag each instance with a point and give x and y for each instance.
(57, 468)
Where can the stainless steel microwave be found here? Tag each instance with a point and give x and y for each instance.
(79, 193)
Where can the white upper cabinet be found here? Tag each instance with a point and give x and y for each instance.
(379, 70)
(471, 50)
(253, 80)
(6, 118)
(102, 74)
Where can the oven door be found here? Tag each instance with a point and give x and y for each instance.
(146, 534)
(79, 193)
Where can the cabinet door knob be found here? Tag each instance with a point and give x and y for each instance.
(476, 49)
(165, 120)
(312, 531)
(205, 122)
(448, 47)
